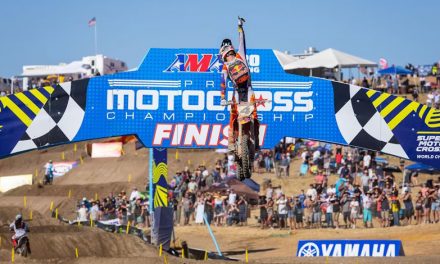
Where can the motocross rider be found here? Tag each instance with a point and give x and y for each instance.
(236, 69)
(20, 229)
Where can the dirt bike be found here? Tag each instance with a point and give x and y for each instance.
(245, 140)
(23, 246)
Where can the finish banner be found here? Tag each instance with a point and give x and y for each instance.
(173, 100)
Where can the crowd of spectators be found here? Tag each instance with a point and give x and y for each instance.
(124, 209)
(362, 191)
(348, 189)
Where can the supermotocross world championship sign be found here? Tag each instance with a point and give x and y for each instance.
(173, 100)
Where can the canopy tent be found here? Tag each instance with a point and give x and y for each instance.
(284, 58)
(396, 70)
(239, 187)
(63, 69)
(422, 168)
(330, 58)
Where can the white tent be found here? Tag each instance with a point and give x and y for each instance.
(42, 70)
(329, 58)
(284, 58)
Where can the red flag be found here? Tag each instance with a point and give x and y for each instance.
(92, 22)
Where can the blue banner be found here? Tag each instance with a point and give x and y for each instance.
(349, 248)
(173, 101)
(160, 174)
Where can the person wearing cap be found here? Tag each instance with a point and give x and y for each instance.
(409, 208)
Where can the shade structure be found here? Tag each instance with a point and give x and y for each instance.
(284, 58)
(330, 58)
(396, 70)
(239, 187)
(422, 168)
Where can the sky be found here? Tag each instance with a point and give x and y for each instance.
(50, 32)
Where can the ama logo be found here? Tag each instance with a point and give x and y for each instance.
(194, 63)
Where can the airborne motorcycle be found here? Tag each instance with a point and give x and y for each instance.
(245, 139)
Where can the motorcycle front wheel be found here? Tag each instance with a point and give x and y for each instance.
(245, 158)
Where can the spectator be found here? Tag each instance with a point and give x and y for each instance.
(94, 211)
(312, 192)
(187, 208)
(308, 210)
(219, 210)
(82, 213)
(365, 181)
(367, 202)
(329, 202)
(291, 208)
(232, 196)
(233, 215)
(346, 210)
(317, 213)
(282, 211)
(270, 212)
(200, 209)
(135, 194)
(242, 207)
(209, 179)
(409, 209)
(395, 209)
(139, 214)
(354, 211)
(299, 212)
(209, 209)
(263, 211)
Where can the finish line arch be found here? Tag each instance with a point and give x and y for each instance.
(172, 100)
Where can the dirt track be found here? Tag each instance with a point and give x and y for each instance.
(55, 242)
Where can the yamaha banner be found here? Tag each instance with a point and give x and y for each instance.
(349, 248)
(173, 100)
(160, 174)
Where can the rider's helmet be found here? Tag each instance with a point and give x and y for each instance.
(225, 48)
(18, 218)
